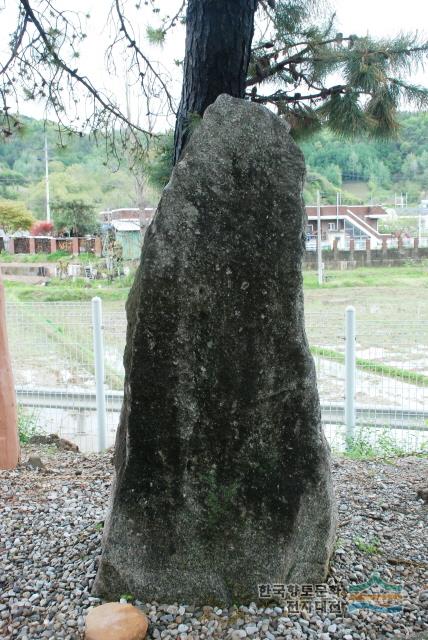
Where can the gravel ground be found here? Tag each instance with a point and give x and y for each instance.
(50, 536)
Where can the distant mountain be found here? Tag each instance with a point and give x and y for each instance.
(364, 170)
(380, 168)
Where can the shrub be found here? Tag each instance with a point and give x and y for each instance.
(14, 216)
(42, 228)
(27, 425)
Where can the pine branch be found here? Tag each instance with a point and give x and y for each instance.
(17, 44)
(300, 57)
(139, 54)
(285, 96)
(412, 93)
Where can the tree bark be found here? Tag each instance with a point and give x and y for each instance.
(218, 48)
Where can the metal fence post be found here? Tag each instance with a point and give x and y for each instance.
(99, 371)
(319, 240)
(350, 373)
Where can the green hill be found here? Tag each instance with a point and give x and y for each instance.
(77, 171)
(379, 169)
(361, 168)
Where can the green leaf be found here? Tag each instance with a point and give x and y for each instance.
(382, 111)
(344, 115)
(155, 36)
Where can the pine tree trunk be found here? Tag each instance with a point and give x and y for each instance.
(218, 46)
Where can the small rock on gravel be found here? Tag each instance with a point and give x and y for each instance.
(116, 621)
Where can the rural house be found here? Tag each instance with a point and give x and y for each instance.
(345, 222)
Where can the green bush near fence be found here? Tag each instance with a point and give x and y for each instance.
(69, 290)
(28, 425)
(363, 446)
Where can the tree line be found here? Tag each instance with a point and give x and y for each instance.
(80, 178)
(80, 175)
(335, 162)
(397, 165)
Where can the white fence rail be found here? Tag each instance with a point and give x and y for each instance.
(52, 346)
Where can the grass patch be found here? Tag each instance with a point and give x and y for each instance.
(370, 547)
(370, 277)
(28, 425)
(56, 256)
(127, 596)
(359, 448)
(81, 289)
(69, 290)
(364, 447)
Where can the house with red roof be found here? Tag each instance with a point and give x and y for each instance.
(346, 222)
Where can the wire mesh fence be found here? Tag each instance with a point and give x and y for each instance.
(53, 359)
(391, 395)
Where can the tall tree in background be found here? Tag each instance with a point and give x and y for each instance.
(299, 64)
(292, 70)
(76, 216)
(14, 216)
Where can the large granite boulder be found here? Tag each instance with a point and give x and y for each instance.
(222, 470)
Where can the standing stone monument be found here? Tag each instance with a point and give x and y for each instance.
(222, 471)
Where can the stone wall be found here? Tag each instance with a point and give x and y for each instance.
(335, 259)
(73, 246)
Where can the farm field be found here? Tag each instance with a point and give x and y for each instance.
(51, 341)
(408, 283)
(391, 308)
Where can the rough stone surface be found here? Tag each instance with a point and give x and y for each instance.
(423, 494)
(222, 471)
(116, 621)
(35, 462)
(54, 439)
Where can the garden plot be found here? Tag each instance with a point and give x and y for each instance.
(51, 345)
(372, 388)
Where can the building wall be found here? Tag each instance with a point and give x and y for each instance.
(337, 260)
(131, 244)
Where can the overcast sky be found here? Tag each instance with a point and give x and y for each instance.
(379, 17)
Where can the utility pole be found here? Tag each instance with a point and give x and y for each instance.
(337, 210)
(48, 208)
(319, 245)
